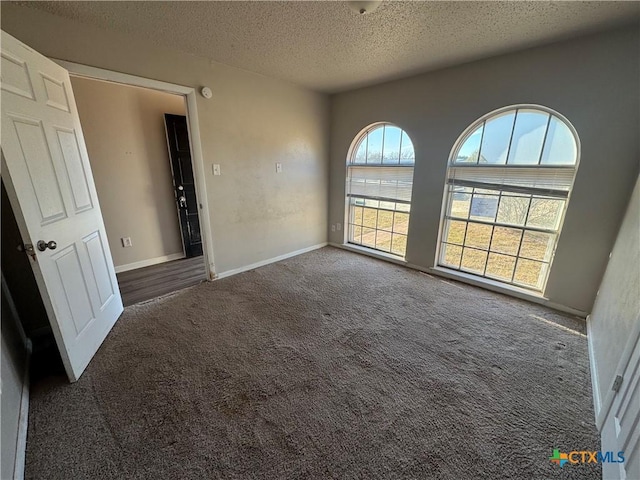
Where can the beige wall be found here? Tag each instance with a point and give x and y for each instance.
(593, 81)
(124, 131)
(251, 123)
(616, 311)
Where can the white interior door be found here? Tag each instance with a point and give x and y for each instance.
(614, 347)
(621, 426)
(45, 168)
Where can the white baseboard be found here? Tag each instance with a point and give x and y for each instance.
(262, 263)
(595, 380)
(23, 421)
(372, 253)
(149, 262)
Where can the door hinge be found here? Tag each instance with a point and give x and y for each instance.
(617, 383)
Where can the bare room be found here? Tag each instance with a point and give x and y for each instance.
(320, 239)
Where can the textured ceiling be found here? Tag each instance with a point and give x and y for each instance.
(326, 46)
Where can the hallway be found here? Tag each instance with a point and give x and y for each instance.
(150, 282)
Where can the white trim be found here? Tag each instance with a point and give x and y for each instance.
(262, 263)
(199, 172)
(371, 253)
(197, 157)
(353, 149)
(23, 421)
(450, 163)
(505, 289)
(23, 415)
(625, 358)
(149, 262)
(468, 279)
(480, 281)
(109, 75)
(595, 380)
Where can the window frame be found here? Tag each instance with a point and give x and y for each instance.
(447, 198)
(347, 224)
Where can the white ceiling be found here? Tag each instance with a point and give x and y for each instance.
(325, 46)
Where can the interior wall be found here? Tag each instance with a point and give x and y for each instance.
(616, 311)
(12, 369)
(251, 123)
(594, 81)
(19, 276)
(124, 131)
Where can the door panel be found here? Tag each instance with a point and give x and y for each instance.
(621, 426)
(38, 165)
(15, 77)
(48, 180)
(56, 93)
(184, 184)
(99, 268)
(73, 283)
(626, 414)
(75, 169)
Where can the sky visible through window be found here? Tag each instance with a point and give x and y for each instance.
(387, 144)
(379, 198)
(530, 138)
(504, 223)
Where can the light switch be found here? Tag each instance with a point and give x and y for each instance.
(278, 167)
(216, 169)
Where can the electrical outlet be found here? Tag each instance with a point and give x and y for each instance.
(338, 226)
(278, 167)
(126, 242)
(216, 169)
(333, 227)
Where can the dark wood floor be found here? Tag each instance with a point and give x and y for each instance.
(150, 282)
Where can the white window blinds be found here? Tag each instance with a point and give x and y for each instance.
(387, 183)
(548, 181)
(522, 150)
(381, 165)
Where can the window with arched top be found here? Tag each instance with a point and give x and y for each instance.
(379, 182)
(509, 179)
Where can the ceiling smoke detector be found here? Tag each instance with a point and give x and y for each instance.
(364, 7)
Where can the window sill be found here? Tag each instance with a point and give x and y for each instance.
(499, 287)
(371, 253)
(469, 279)
(488, 283)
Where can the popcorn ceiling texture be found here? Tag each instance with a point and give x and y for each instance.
(326, 46)
(327, 365)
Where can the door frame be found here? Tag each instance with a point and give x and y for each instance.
(197, 157)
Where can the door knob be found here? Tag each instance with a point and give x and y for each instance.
(42, 245)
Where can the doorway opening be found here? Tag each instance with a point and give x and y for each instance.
(140, 154)
(20, 292)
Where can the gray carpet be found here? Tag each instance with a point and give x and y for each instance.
(326, 365)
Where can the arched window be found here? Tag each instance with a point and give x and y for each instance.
(508, 183)
(379, 182)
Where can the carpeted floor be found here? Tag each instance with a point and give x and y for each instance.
(326, 365)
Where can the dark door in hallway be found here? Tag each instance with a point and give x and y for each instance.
(183, 183)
